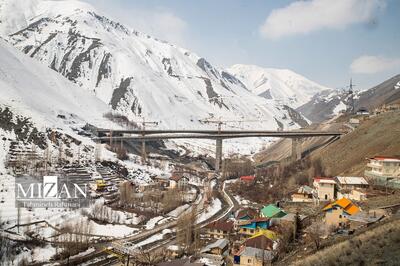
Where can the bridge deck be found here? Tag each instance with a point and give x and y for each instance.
(206, 131)
(224, 135)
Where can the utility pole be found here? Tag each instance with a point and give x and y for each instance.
(351, 94)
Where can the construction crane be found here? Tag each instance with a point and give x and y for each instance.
(220, 122)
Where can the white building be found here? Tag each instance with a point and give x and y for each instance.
(351, 182)
(384, 171)
(325, 187)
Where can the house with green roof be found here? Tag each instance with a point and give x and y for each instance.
(272, 211)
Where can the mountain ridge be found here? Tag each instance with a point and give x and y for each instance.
(134, 73)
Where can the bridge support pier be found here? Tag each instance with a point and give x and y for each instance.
(218, 155)
(143, 152)
(296, 149)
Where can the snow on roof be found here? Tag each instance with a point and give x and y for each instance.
(220, 243)
(351, 180)
(174, 248)
(326, 180)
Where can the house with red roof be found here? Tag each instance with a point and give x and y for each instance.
(384, 170)
(247, 178)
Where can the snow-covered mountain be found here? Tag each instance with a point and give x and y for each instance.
(281, 85)
(32, 90)
(329, 103)
(326, 104)
(139, 75)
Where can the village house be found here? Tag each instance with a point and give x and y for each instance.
(351, 187)
(251, 227)
(162, 180)
(362, 218)
(174, 251)
(287, 220)
(272, 211)
(303, 194)
(384, 171)
(249, 256)
(210, 259)
(181, 262)
(219, 247)
(246, 214)
(338, 212)
(325, 187)
(178, 180)
(220, 229)
(264, 239)
(356, 194)
(354, 122)
(351, 182)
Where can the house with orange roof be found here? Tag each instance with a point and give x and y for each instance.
(338, 212)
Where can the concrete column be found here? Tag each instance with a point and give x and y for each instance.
(296, 149)
(143, 152)
(218, 155)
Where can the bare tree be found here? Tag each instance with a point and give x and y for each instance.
(315, 233)
(148, 258)
(187, 234)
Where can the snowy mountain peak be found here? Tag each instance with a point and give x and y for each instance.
(279, 84)
(141, 76)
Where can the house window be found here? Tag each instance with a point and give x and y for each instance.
(249, 261)
(340, 216)
(326, 196)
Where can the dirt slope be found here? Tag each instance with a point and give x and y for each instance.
(377, 136)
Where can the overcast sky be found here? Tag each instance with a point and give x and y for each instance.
(327, 41)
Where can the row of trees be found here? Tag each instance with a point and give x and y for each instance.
(160, 201)
(187, 234)
(73, 238)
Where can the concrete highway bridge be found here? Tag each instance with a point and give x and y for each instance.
(142, 136)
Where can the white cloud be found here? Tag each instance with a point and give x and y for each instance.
(369, 64)
(158, 22)
(303, 17)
